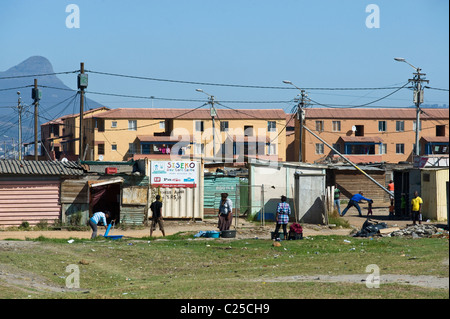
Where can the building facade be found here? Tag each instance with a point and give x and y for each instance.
(232, 135)
(372, 135)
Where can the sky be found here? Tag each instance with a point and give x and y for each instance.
(313, 44)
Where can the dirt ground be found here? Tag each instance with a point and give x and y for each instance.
(244, 228)
(33, 283)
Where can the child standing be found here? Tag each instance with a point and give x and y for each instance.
(369, 212)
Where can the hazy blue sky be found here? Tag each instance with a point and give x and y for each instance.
(322, 43)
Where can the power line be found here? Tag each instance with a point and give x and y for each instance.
(365, 104)
(438, 89)
(36, 75)
(163, 98)
(228, 85)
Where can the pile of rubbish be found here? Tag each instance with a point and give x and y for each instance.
(417, 231)
(370, 229)
(374, 228)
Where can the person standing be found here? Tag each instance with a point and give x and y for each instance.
(156, 208)
(354, 202)
(416, 208)
(282, 217)
(337, 201)
(225, 212)
(95, 219)
(391, 189)
(403, 205)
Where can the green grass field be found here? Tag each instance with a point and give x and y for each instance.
(182, 268)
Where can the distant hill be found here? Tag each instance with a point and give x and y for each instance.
(50, 105)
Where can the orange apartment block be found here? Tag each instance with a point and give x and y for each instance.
(131, 133)
(372, 135)
(60, 137)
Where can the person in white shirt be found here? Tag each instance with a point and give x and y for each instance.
(95, 219)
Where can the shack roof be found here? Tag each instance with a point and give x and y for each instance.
(46, 168)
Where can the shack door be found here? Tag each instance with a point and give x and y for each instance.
(105, 196)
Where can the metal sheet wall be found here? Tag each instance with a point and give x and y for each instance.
(215, 185)
(30, 201)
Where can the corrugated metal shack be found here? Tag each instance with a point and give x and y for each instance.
(30, 190)
(124, 192)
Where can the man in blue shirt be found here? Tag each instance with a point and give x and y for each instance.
(95, 219)
(354, 202)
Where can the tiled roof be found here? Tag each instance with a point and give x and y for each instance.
(436, 139)
(53, 168)
(155, 113)
(374, 113)
(64, 117)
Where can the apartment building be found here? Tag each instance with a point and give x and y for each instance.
(60, 137)
(372, 135)
(232, 135)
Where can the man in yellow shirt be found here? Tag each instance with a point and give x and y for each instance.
(416, 208)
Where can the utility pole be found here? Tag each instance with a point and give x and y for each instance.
(213, 114)
(301, 118)
(19, 109)
(418, 97)
(82, 84)
(36, 95)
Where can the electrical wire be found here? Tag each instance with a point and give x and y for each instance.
(365, 104)
(226, 85)
(36, 75)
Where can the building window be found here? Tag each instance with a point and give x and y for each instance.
(383, 149)
(319, 148)
(271, 149)
(131, 148)
(271, 126)
(101, 149)
(359, 130)
(400, 148)
(162, 124)
(132, 125)
(440, 130)
(114, 147)
(248, 130)
(400, 126)
(224, 126)
(199, 126)
(113, 124)
(382, 126)
(336, 126)
(319, 126)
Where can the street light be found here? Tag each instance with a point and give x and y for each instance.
(213, 114)
(417, 98)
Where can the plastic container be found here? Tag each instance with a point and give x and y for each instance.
(228, 234)
(212, 234)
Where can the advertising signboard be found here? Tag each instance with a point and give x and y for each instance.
(182, 174)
